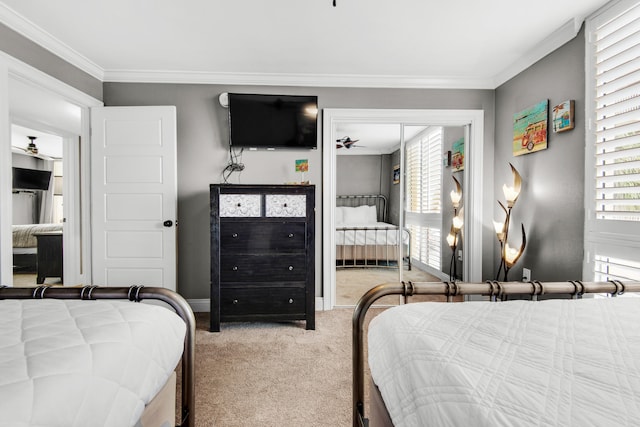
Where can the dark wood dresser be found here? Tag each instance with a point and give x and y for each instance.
(49, 256)
(262, 253)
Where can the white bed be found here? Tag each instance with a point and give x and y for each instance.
(86, 363)
(363, 238)
(514, 363)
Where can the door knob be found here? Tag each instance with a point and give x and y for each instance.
(168, 223)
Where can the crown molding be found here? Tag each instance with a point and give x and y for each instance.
(555, 40)
(28, 29)
(291, 79)
(31, 31)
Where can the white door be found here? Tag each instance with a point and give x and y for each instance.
(133, 196)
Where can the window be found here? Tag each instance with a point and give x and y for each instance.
(423, 196)
(612, 168)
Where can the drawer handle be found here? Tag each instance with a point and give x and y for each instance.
(235, 268)
(290, 300)
(235, 301)
(291, 268)
(234, 235)
(290, 235)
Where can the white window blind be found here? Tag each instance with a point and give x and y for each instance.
(612, 161)
(423, 160)
(424, 172)
(611, 268)
(617, 121)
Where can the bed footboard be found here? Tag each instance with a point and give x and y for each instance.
(137, 294)
(494, 290)
(372, 247)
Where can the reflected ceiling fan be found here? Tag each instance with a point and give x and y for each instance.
(346, 142)
(32, 149)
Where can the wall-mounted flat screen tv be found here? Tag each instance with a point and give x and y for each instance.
(273, 121)
(31, 179)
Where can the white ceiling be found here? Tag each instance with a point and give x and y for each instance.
(399, 43)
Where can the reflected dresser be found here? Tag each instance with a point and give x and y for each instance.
(262, 253)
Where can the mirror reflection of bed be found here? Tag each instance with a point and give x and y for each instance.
(36, 207)
(369, 231)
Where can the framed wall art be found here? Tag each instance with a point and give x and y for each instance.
(530, 129)
(562, 116)
(396, 174)
(457, 155)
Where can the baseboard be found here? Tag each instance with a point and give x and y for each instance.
(203, 305)
(200, 305)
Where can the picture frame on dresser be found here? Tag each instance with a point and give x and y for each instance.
(262, 253)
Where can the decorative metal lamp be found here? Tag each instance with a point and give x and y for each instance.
(509, 255)
(456, 227)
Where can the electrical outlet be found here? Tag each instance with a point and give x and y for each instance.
(526, 275)
(459, 255)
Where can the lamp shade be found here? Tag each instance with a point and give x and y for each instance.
(451, 240)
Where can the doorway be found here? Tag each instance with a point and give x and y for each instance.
(38, 102)
(37, 206)
(406, 120)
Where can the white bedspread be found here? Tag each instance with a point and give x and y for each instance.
(24, 234)
(516, 363)
(83, 363)
(377, 233)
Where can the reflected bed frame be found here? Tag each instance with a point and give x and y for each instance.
(381, 255)
(135, 294)
(495, 291)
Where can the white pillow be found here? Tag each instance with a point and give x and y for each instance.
(360, 215)
(339, 214)
(372, 214)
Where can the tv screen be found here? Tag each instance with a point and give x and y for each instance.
(31, 179)
(273, 121)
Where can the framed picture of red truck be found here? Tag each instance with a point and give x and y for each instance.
(530, 129)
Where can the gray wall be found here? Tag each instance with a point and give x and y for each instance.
(40, 58)
(361, 175)
(551, 205)
(203, 151)
(395, 204)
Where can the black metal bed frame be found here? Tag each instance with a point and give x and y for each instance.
(135, 294)
(495, 291)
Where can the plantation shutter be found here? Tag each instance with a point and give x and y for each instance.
(617, 51)
(432, 172)
(612, 161)
(413, 177)
(423, 195)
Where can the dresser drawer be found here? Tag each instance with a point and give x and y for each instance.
(240, 205)
(262, 267)
(262, 301)
(243, 237)
(285, 205)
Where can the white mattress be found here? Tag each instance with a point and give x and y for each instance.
(83, 363)
(516, 363)
(378, 233)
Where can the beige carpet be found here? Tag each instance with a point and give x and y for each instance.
(352, 283)
(275, 374)
(29, 279)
